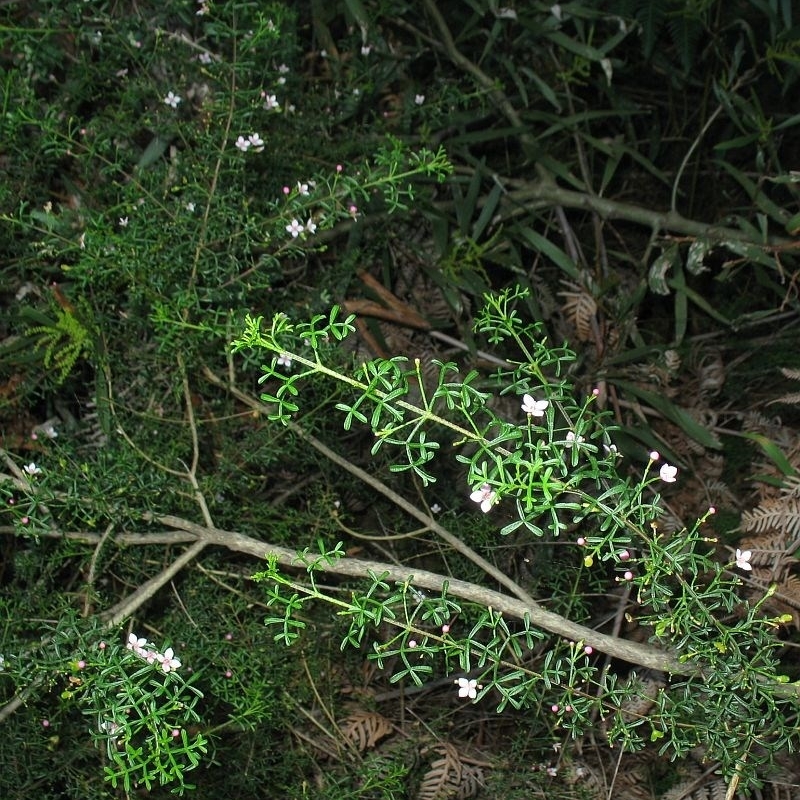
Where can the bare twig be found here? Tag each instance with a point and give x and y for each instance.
(380, 487)
(539, 617)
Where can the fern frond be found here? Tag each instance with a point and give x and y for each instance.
(790, 399)
(685, 31)
(580, 309)
(365, 729)
(651, 14)
(64, 342)
(777, 515)
(449, 778)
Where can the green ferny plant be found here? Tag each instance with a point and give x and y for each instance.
(64, 340)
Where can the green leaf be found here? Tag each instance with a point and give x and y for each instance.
(657, 274)
(674, 413)
(773, 452)
(793, 225)
(153, 152)
(698, 250)
(543, 245)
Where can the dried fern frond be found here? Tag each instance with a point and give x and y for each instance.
(632, 780)
(449, 778)
(711, 373)
(580, 310)
(780, 514)
(579, 773)
(365, 729)
(772, 427)
(791, 487)
(791, 399)
(691, 785)
(716, 789)
(768, 549)
(792, 374)
(648, 684)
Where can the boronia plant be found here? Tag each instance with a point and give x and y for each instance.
(552, 466)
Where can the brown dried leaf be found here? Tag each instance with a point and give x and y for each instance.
(365, 729)
(449, 778)
(781, 515)
(580, 309)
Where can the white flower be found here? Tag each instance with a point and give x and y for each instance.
(243, 144)
(168, 661)
(311, 226)
(172, 100)
(485, 496)
(573, 439)
(505, 13)
(123, 222)
(190, 207)
(668, 473)
(295, 228)
(111, 728)
(302, 188)
(435, 508)
(743, 559)
(32, 469)
(534, 408)
(271, 102)
(365, 50)
(257, 142)
(608, 69)
(204, 58)
(419, 99)
(283, 69)
(467, 687)
(284, 360)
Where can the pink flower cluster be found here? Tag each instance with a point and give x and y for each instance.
(145, 651)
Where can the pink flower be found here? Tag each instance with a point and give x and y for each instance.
(743, 559)
(485, 496)
(168, 661)
(295, 228)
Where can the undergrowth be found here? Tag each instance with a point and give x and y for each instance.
(433, 338)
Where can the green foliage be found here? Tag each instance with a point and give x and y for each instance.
(64, 340)
(551, 479)
(486, 181)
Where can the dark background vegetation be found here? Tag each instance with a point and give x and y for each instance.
(634, 165)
